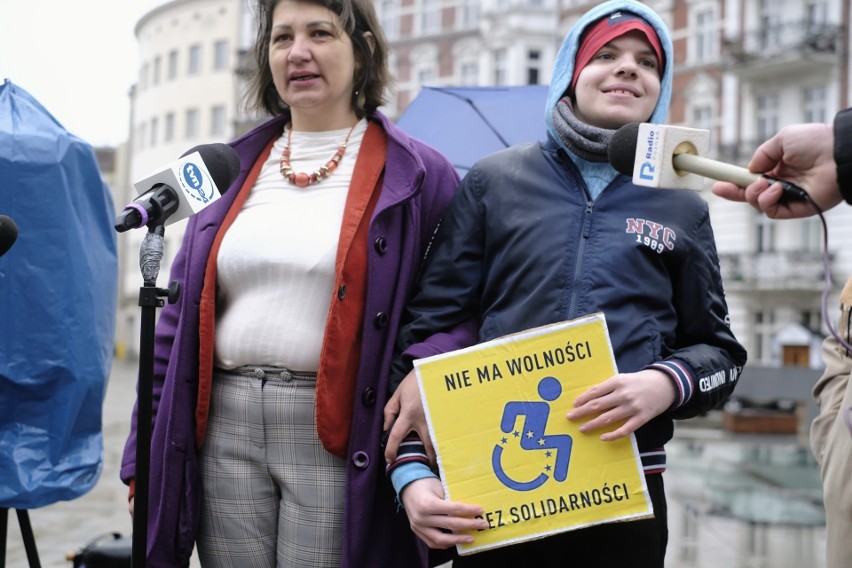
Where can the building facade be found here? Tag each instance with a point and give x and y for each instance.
(743, 70)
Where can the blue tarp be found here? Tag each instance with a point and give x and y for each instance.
(58, 288)
(468, 123)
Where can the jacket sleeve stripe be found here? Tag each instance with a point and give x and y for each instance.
(681, 375)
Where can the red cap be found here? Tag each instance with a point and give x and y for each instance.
(606, 30)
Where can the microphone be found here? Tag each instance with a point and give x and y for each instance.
(657, 155)
(182, 188)
(8, 234)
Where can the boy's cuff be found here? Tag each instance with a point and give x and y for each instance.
(682, 378)
(407, 473)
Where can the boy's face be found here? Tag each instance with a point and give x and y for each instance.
(620, 84)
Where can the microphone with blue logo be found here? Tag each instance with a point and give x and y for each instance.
(181, 189)
(662, 156)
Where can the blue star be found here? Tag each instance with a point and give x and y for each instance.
(517, 434)
(548, 453)
(504, 440)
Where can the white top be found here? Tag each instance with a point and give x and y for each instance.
(276, 262)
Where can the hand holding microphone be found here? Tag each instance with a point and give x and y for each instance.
(800, 153)
(183, 188)
(656, 155)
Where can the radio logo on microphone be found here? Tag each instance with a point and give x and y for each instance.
(648, 166)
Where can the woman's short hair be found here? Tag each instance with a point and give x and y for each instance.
(356, 17)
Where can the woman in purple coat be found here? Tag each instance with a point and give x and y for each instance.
(271, 370)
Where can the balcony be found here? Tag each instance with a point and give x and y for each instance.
(773, 271)
(786, 48)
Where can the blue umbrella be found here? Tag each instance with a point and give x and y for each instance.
(468, 123)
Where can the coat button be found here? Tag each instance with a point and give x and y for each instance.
(381, 245)
(341, 292)
(360, 459)
(381, 320)
(368, 397)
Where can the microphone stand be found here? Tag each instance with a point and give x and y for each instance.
(150, 298)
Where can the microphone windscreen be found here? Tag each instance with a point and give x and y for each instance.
(8, 233)
(622, 148)
(222, 162)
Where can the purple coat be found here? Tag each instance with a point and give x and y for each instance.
(417, 186)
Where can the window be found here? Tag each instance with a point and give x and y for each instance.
(767, 116)
(194, 67)
(501, 67)
(173, 64)
(157, 64)
(702, 117)
(770, 26)
(765, 237)
(424, 63)
(469, 73)
(141, 131)
(816, 16)
(388, 18)
(811, 237)
(192, 125)
(154, 131)
(169, 127)
(470, 14)
(533, 66)
(143, 77)
(764, 333)
(814, 104)
(704, 38)
(217, 120)
(220, 55)
(430, 16)
(811, 319)
(425, 76)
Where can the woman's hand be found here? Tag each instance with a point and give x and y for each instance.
(404, 413)
(436, 521)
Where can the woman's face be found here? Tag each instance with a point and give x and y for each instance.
(313, 65)
(620, 84)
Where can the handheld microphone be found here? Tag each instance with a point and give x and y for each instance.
(182, 188)
(656, 155)
(8, 234)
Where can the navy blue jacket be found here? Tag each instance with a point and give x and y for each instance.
(522, 245)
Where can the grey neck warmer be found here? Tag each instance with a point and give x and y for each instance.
(586, 141)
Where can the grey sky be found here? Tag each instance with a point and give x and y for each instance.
(78, 58)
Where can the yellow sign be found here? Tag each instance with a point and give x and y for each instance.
(496, 413)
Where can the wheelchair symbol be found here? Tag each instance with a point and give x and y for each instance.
(532, 437)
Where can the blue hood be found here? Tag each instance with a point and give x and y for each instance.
(563, 68)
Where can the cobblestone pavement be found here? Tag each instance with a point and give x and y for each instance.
(66, 526)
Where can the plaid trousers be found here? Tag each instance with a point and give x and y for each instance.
(272, 495)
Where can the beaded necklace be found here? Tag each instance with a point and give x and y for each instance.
(302, 179)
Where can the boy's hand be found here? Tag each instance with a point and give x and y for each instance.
(633, 397)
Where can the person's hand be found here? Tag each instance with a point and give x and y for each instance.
(404, 413)
(633, 397)
(802, 154)
(437, 521)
